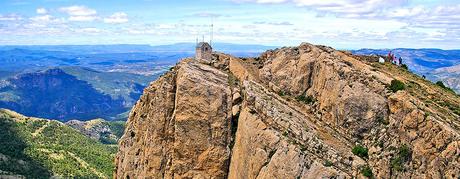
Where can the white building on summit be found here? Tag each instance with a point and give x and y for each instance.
(203, 51)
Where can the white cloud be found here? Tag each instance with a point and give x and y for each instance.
(284, 23)
(117, 18)
(344, 7)
(90, 30)
(10, 17)
(80, 13)
(44, 18)
(41, 11)
(83, 18)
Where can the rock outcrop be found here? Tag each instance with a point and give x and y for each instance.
(298, 112)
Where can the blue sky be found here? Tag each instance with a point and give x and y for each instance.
(344, 24)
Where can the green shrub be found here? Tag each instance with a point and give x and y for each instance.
(306, 99)
(397, 85)
(397, 164)
(360, 151)
(328, 163)
(441, 84)
(404, 153)
(367, 172)
(404, 66)
(283, 93)
(427, 114)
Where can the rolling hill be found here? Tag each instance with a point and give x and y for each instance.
(40, 148)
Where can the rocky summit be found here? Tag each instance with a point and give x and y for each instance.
(296, 112)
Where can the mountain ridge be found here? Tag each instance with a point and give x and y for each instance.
(68, 88)
(329, 113)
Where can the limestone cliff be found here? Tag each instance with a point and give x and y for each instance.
(299, 112)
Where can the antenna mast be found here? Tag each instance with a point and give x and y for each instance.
(212, 30)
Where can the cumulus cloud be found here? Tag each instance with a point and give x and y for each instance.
(41, 11)
(117, 18)
(80, 13)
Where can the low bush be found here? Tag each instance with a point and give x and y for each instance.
(441, 84)
(404, 66)
(360, 151)
(397, 85)
(367, 172)
(328, 163)
(306, 99)
(403, 156)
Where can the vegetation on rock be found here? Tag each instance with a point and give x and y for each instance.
(307, 99)
(403, 156)
(367, 172)
(397, 85)
(360, 151)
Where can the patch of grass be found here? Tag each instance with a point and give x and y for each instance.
(360, 151)
(397, 85)
(427, 114)
(306, 99)
(367, 172)
(328, 163)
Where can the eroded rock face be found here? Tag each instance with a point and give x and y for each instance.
(291, 113)
(180, 128)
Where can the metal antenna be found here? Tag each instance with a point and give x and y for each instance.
(212, 30)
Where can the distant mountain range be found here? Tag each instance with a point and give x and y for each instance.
(140, 59)
(84, 82)
(73, 93)
(435, 64)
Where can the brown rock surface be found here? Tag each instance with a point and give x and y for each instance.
(180, 127)
(293, 112)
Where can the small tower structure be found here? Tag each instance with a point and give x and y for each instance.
(203, 52)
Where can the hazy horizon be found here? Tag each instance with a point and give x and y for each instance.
(220, 43)
(343, 24)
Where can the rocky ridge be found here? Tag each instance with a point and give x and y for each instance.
(295, 112)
